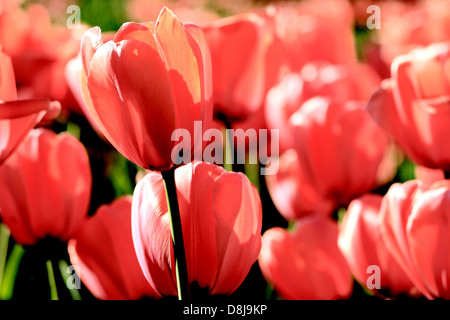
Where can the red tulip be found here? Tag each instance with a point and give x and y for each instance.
(104, 253)
(406, 26)
(245, 62)
(18, 117)
(344, 82)
(150, 80)
(39, 51)
(305, 263)
(313, 30)
(415, 227)
(340, 147)
(292, 193)
(361, 243)
(412, 105)
(45, 187)
(221, 221)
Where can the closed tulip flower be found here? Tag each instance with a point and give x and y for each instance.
(302, 27)
(342, 82)
(104, 252)
(246, 62)
(414, 225)
(412, 105)
(150, 80)
(292, 193)
(365, 251)
(18, 117)
(45, 187)
(340, 147)
(221, 219)
(305, 263)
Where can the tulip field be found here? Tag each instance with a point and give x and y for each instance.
(224, 151)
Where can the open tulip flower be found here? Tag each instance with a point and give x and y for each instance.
(18, 117)
(150, 80)
(413, 105)
(221, 218)
(45, 187)
(306, 263)
(103, 250)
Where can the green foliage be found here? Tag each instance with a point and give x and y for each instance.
(108, 15)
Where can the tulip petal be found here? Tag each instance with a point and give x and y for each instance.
(135, 31)
(195, 187)
(183, 68)
(90, 43)
(126, 107)
(152, 236)
(7, 80)
(238, 225)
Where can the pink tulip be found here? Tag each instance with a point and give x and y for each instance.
(18, 117)
(45, 187)
(104, 253)
(344, 82)
(365, 251)
(292, 193)
(221, 221)
(412, 105)
(313, 30)
(246, 62)
(414, 225)
(339, 146)
(150, 80)
(305, 263)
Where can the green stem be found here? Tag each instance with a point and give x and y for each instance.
(177, 234)
(51, 281)
(4, 242)
(63, 269)
(11, 269)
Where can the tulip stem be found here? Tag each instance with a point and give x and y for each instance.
(177, 234)
(51, 281)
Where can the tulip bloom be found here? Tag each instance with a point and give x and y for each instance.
(18, 117)
(361, 243)
(45, 187)
(305, 263)
(245, 61)
(221, 220)
(414, 225)
(344, 82)
(340, 147)
(313, 30)
(39, 51)
(104, 252)
(150, 80)
(418, 23)
(412, 105)
(291, 192)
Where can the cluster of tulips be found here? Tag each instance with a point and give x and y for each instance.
(352, 108)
